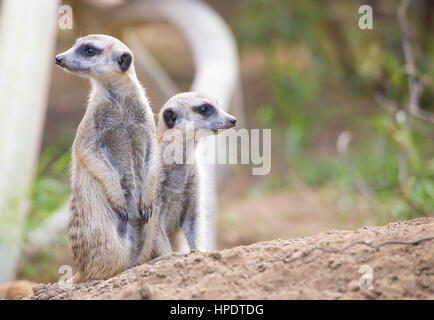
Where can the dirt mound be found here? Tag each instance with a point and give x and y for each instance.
(399, 256)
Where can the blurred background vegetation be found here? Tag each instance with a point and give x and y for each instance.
(309, 73)
(324, 75)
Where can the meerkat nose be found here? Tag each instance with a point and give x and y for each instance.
(233, 121)
(59, 60)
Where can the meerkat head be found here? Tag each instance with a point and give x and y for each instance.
(97, 56)
(197, 109)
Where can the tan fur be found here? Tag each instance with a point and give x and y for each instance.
(115, 164)
(20, 288)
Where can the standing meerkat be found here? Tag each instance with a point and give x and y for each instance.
(180, 183)
(114, 170)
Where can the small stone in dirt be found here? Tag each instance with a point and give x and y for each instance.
(145, 292)
(215, 255)
(43, 296)
(298, 254)
(146, 273)
(353, 286)
(130, 294)
(210, 269)
(198, 259)
(333, 295)
(394, 278)
(370, 294)
(334, 264)
(38, 287)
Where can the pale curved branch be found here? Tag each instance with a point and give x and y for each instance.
(216, 65)
(415, 86)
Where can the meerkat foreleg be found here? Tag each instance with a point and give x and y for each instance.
(189, 227)
(145, 210)
(147, 198)
(106, 175)
(149, 188)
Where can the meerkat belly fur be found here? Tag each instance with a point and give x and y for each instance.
(115, 162)
(180, 197)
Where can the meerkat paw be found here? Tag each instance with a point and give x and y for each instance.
(120, 208)
(123, 214)
(145, 211)
(119, 205)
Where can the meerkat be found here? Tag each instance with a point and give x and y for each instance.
(114, 167)
(179, 199)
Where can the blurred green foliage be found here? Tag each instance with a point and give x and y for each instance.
(50, 189)
(323, 73)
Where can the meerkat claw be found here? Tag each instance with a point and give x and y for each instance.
(123, 214)
(146, 214)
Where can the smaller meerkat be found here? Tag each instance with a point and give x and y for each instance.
(114, 170)
(180, 194)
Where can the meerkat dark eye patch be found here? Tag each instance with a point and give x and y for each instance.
(88, 50)
(169, 118)
(125, 61)
(204, 109)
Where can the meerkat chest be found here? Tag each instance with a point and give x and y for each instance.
(121, 137)
(179, 180)
(121, 122)
(134, 112)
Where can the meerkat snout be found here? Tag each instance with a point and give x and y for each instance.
(233, 121)
(59, 60)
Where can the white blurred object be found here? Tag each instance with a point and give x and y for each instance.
(27, 37)
(48, 230)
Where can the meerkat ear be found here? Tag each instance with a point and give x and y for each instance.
(169, 118)
(124, 61)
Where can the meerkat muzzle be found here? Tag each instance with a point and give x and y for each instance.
(59, 60)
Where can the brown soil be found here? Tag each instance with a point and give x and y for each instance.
(324, 266)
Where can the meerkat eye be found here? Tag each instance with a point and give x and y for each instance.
(204, 109)
(90, 51)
